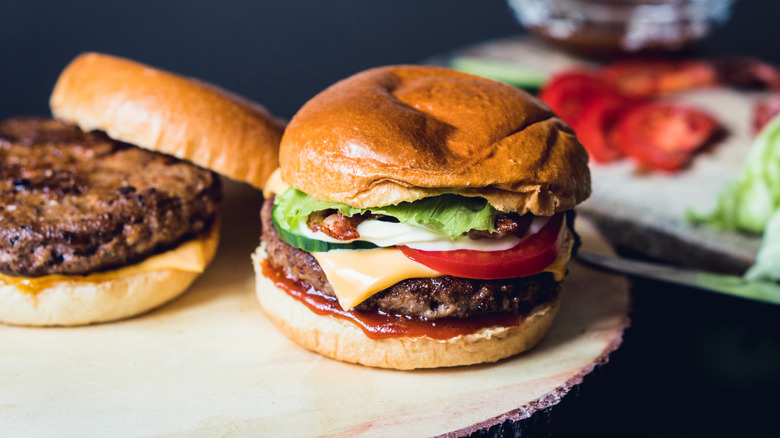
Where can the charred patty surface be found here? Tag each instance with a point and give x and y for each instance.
(429, 298)
(74, 203)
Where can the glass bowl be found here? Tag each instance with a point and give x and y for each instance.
(614, 27)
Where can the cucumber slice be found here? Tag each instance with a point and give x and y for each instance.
(511, 73)
(312, 245)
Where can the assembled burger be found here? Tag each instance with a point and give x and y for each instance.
(112, 208)
(421, 218)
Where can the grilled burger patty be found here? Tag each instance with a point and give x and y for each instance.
(75, 203)
(429, 298)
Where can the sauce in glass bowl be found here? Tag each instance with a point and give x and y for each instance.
(615, 27)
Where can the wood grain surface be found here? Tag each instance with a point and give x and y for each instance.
(645, 212)
(210, 364)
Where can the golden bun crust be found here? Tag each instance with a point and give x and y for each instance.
(170, 114)
(81, 302)
(344, 341)
(402, 133)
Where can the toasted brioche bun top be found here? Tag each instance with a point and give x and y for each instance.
(402, 133)
(170, 114)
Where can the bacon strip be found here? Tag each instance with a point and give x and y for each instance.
(505, 224)
(335, 224)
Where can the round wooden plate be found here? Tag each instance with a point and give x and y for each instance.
(210, 364)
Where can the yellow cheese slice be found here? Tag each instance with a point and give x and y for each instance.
(558, 267)
(356, 275)
(191, 256)
(275, 185)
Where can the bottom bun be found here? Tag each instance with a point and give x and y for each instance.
(339, 339)
(71, 302)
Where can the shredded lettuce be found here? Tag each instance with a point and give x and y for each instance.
(767, 265)
(452, 215)
(749, 202)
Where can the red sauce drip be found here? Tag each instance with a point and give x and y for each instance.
(379, 325)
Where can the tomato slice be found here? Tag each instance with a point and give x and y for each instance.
(662, 135)
(568, 93)
(530, 256)
(598, 116)
(765, 111)
(589, 105)
(647, 77)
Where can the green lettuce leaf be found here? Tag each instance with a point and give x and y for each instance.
(452, 215)
(749, 202)
(767, 265)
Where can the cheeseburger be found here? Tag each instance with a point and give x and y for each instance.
(421, 218)
(112, 208)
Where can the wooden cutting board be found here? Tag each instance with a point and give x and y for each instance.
(646, 212)
(210, 363)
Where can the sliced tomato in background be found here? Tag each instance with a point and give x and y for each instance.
(645, 155)
(612, 117)
(598, 115)
(765, 111)
(568, 93)
(648, 77)
(662, 135)
(589, 106)
(747, 72)
(529, 257)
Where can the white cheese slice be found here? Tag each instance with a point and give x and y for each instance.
(387, 234)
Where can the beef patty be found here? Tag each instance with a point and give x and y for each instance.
(75, 203)
(429, 298)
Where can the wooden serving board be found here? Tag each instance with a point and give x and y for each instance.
(646, 212)
(210, 363)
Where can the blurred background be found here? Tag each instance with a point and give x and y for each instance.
(277, 52)
(686, 368)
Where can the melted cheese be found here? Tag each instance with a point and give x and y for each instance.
(275, 184)
(356, 275)
(191, 256)
(558, 267)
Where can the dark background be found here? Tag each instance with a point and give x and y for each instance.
(277, 52)
(693, 364)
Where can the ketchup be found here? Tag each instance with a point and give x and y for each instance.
(379, 325)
